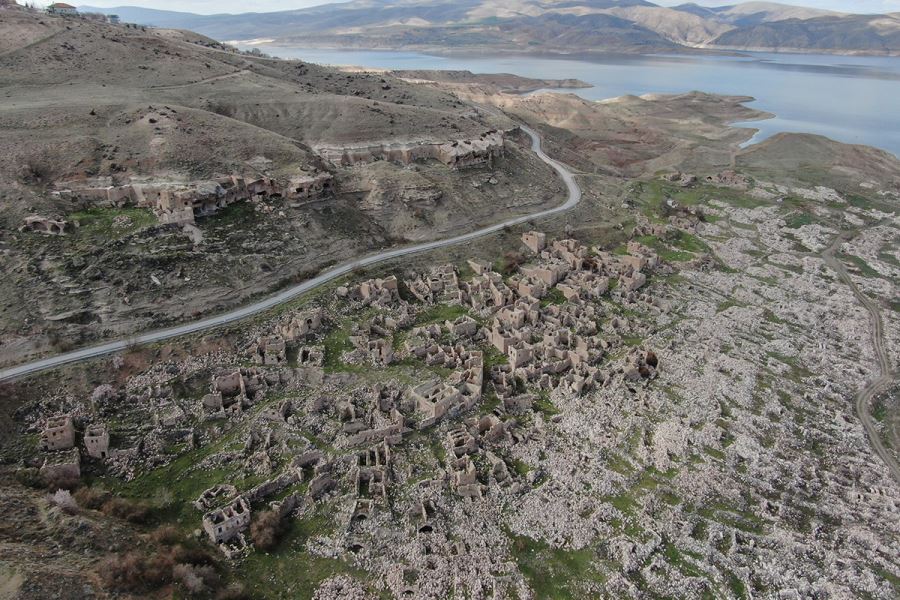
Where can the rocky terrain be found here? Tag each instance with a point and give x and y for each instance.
(683, 387)
(546, 27)
(689, 432)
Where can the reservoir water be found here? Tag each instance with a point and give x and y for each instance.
(847, 98)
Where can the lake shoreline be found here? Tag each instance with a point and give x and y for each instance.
(806, 93)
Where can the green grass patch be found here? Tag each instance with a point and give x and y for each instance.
(797, 371)
(736, 586)
(879, 410)
(544, 405)
(554, 296)
(771, 317)
(892, 579)
(489, 402)
(521, 468)
(440, 313)
(725, 305)
(862, 266)
(335, 344)
(100, 222)
(717, 454)
(552, 573)
(290, 566)
(796, 220)
(737, 518)
(619, 464)
(677, 559)
(492, 358)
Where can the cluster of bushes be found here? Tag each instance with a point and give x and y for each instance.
(173, 562)
(71, 497)
(32, 478)
(91, 498)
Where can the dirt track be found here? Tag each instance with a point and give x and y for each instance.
(886, 377)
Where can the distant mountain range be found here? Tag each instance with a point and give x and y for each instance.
(544, 26)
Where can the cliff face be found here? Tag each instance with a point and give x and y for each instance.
(456, 153)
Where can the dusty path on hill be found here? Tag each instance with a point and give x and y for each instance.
(574, 197)
(885, 378)
(201, 81)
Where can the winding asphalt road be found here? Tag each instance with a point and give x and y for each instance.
(574, 197)
(885, 376)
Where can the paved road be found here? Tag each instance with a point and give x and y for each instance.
(574, 197)
(885, 377)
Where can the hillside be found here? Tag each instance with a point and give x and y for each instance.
(556, 26)
(103, 128)
(854, 33)
(753, 13)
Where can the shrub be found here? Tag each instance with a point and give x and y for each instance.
(29, 477)
(196, 580)
(91, 498)
(266, 530)
(191, 554)
(166, 535)
(64, 500)
(134, 570)
(130, 510)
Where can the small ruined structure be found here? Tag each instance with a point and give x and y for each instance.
(378, 291)
(440, 285)
(64, 464)
(464, 477)
(214, 495)
(96, 441)
(371, 472)
(269, 350)
(300, 326)
(228, 394)
(62, 9)
(535, 240)
(58, 434)
(46, 225)
(456, 154)
(224, 524)
(679, 178)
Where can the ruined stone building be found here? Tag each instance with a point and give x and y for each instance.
(535, 240)
(63, 464)
(269, 350)
(300, 326)
(224, 524)
(96, 441)
(58, 434)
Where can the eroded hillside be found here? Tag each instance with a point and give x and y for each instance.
(108, 129)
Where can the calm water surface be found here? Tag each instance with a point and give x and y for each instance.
(849, 99)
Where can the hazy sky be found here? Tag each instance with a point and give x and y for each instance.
(239, 6)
